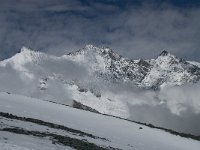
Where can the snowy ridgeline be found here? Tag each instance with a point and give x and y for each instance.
(28, 123)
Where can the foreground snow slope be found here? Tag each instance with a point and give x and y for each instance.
(120, 133)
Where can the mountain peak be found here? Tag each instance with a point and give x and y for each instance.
(89, 46)
(92, 50)
(25, 55)
(25, 49)
(87, 49)
(164, 53)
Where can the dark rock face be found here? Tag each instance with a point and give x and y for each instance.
(164, 53)
(84, 107)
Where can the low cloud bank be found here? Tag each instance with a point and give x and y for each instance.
(176, 108)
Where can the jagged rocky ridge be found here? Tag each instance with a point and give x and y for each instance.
(166, 69)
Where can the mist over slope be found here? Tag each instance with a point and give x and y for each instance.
(162, 91)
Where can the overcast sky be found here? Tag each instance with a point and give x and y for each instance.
(134, 29)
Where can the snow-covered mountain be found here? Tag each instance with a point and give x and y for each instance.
(111, 66)
(166, 69)
(96, 79)
(105, 64)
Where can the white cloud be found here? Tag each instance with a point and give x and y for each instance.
(182, 98)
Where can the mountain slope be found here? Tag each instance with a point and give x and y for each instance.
(102, 131)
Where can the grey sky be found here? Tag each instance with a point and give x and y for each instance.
(137, 29)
